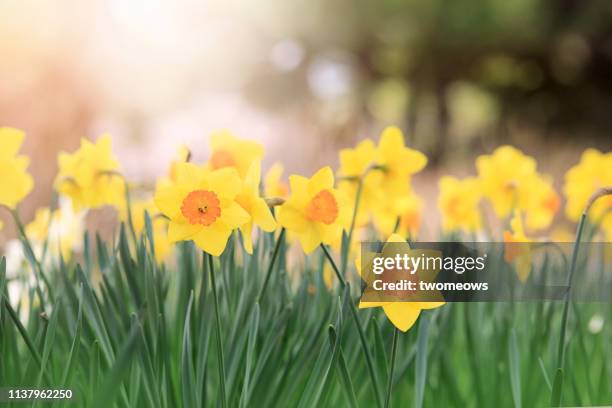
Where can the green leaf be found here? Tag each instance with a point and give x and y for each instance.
(515, 369)
(421, 360)
(110, 387)
(555, 399)
(187, 375)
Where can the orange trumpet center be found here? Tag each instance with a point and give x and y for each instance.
(201, 207)
(222, 158)
(322, 208)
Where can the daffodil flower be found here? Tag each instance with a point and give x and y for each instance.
(15, 182)
(593, 172)
(201, 206)
(356, 177)
(458, 203)
(316, 212)
(398, 162)
(229, 151)
(90, 176)
(248, 198)
(402, 314)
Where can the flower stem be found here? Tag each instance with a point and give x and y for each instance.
(556, 397)
(334, 266)
(393, 353)
(279, 240)
(218, 331)
(362, 337)
(347, 248)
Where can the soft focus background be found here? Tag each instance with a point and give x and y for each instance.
(306, 79)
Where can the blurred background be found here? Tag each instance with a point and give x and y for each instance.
(307, 78)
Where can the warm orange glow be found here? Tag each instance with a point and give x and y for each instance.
(201, 207)
(322, 208)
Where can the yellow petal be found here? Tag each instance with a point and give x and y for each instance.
(233, 216)
(169, 200)
(182, 231)
(402, 314)
(291, 218)
(391, 141)
(262, 216)
(212, 239)
(10, 141)
(247, 238)
(321, 180)
(190, 175)
(253, 175)
(298, 184)
(428, 305)
(310, 239)
(225, 182)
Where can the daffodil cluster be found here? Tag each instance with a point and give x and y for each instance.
(378, 180)
(372, 187)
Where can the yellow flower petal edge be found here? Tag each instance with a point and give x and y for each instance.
(15, 181)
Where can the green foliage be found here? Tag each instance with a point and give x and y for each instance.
(122, 330)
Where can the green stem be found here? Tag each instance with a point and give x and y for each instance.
(220, 357)
(362, 337)
(358, 193)
(352, 227)
(556, 397)
(393, 353)
(271, 265)
(564, 319)
(334, 266)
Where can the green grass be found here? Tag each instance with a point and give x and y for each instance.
(121, 330)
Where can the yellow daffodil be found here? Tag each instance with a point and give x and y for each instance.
(503, 176)
(159, 225)
(519, 254)
(229, 151)
(89, 176)
(273, 186)
(399, 162)
(406, 210)
(402, 314)
(355, 164)
(201, 206)
(458, 203)
(250, 201)
(593, 172)
(15, 182)
(541, 203)
(62, 229)
(316, 212)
